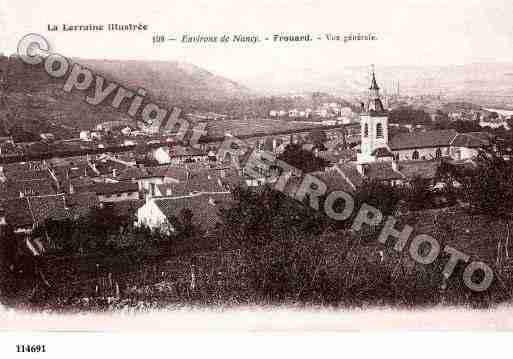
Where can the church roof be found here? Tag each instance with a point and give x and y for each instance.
(427, 139)
(376, 106)
(472, 140)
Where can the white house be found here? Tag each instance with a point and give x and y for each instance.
(161, 213)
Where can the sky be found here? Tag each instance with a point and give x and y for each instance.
(410, 32)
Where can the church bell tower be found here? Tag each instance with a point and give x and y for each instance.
(374, 126)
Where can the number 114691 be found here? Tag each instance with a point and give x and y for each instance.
(27, 348)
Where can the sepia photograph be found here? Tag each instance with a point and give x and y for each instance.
(273, 166)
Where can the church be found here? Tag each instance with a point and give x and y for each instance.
(376, 145)
(400, 158)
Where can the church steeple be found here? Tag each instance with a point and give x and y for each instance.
(374, 84)
(374, 127)
(375, 104)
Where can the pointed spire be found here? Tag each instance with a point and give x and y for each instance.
(374, 84)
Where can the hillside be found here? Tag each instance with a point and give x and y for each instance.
(35, 101)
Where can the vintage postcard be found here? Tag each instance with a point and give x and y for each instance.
(273, 166)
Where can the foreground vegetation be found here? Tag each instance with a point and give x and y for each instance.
(271, 249)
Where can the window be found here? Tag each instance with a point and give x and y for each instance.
(438, 153)
(415, 155)
(366, 130)
(379, 130)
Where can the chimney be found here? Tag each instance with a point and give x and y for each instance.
(2, 217)
(395, 165)
(2, 174)
(66, 201)
(187, 173)
(149, 193)
(114, 173)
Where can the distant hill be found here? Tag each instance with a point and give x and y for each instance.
(487, 84)
(37, 102)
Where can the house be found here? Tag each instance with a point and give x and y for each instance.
(178, 155)
(149, 177)
(195, 182)
(162, 213)
(494, 122)
(85, 135)
(112, 192)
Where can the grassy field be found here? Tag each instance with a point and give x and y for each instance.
(340, 269)
(242, 127)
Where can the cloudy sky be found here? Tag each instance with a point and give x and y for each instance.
(410, 32)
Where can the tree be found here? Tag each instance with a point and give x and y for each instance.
(419, 194)
(491, 189)
(488, 188)
(302, 159)
(381, 195)
(318, 137)
(8, 248)
(265, 215)
(409, 115)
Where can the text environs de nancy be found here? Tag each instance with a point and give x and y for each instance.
(252, 38)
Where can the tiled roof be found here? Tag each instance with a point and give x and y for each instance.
(82, 199)
(133, 173)
(334, 180)
(382, 171)
(205, 213)
(177, 173)
(472, 140)
(199, 181)
(107, 166)
(28, 175)
(178, 151)
(27, 211)
(13, 189)
(104, 188)
(336, 156)
(424, 169)
(74, 171)
(46, 207)
(16, 167)
(351, 173)
(438, 138)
